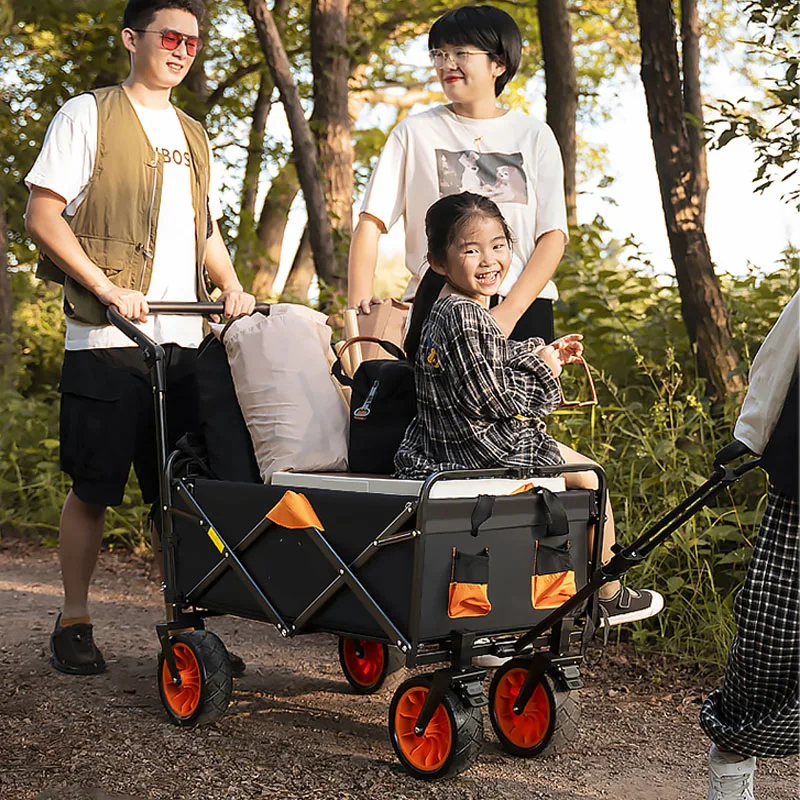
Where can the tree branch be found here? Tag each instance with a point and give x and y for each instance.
(231, 80)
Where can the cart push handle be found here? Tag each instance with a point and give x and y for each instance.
(153, 352)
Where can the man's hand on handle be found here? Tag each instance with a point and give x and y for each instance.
(131, 304)
(237, 302)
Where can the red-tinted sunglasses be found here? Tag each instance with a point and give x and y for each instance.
(171, 40)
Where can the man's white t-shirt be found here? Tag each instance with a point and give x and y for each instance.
(65, 165)
(513, 159)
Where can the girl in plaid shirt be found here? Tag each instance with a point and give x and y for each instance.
(482, 398)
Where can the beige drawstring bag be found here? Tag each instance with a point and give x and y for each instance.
(294, 413)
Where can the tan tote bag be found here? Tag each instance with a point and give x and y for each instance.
(293, 411)
(386, 322)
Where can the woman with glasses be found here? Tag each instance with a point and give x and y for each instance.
(470, 143)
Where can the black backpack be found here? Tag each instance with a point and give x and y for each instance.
(382, 404)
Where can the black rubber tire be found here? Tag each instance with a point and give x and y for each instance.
(466, 724)
(216, 683)
(565, 714)
(392, 672)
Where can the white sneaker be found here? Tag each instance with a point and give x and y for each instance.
(630, 605)
(730, 776)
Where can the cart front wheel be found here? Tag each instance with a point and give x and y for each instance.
(206, 685)
(367, 665)
(547, 724)
(450, 743)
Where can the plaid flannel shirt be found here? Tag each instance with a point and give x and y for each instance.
(480, 397)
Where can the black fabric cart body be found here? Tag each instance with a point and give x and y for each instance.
(380, 569)
(377, 569)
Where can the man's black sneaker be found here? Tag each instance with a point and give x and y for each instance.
(629, 605)
(74, 651)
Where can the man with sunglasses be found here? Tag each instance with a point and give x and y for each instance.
(123, 213)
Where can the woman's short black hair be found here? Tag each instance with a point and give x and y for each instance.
(139, 13)
(486, 28)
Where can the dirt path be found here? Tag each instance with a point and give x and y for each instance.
(292, 730)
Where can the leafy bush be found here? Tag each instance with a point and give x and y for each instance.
(32, 488)
(656, 434)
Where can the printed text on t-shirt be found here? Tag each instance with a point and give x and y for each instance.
(175, 157)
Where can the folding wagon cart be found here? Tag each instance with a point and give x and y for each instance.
(405, 573)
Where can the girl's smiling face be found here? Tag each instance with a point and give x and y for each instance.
(477, 259)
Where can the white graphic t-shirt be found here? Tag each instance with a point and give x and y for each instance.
(513, 160)
(65, 165)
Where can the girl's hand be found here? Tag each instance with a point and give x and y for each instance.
(549, 354)
(569, 348)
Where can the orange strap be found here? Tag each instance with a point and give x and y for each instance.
(294, 511)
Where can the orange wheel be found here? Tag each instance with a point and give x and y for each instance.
(367, 665)
(549, 720)
(183, 699)
(450, 743)
(363, 663)
(205, 686)
(527, 731)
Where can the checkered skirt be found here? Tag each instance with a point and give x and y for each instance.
(756, 712)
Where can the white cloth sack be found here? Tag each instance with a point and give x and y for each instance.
(294, 414)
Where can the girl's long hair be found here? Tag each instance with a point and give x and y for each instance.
(444, 220)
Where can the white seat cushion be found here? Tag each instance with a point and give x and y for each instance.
(371, 484)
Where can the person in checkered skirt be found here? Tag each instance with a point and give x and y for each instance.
(756, 713)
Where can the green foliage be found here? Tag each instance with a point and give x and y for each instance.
(655, 433)
(772, 127)
(32, 489)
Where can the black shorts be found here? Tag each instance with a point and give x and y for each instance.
(108, 419)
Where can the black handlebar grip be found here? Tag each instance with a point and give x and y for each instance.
(731, 452)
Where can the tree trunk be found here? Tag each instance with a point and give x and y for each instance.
(301, 274)
(246, 241)
(255, 147)
(305, 151)
(702, 305)
(196, 80)
(6, 301)
(271, 228)
(330, 121)
(561, 89)
(693, 99)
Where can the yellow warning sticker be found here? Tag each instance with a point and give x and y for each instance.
(212, 534)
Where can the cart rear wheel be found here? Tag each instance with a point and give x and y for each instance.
(549, 721)
(370, 666)
(450, 743)
(206, 684)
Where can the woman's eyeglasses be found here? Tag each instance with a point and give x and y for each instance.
(171, 40)
(459, 57)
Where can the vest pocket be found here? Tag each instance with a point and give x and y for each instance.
(553, 579)
(469, 585)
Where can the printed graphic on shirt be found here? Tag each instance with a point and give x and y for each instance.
(498, 176)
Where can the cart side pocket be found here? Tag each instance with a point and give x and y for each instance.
(553, 578)
(468, 594)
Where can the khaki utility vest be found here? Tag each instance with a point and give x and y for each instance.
(117, 220)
